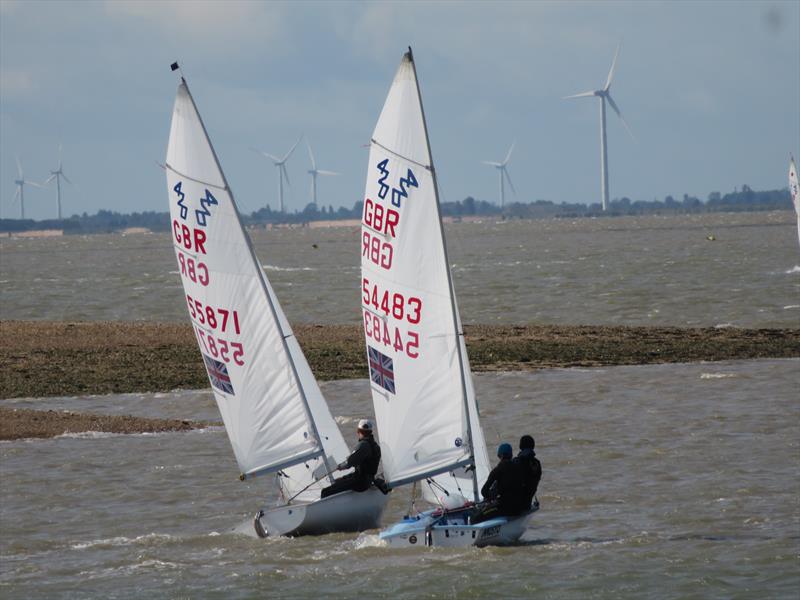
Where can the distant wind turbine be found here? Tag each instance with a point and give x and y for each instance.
(604, 95)
(314, 171)
(57, 175)
(502, 171)
(282, 174)
(20, 193)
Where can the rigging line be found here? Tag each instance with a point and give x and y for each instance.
(327, 473)
(224, 189)
(458, 485)
(430, 485)
(433, 482)
(400, 156)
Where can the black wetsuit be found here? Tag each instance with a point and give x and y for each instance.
(530, 472)
(504, 491)
(364, 460)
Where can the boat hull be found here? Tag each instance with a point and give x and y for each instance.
(453, 530)
(345, 512)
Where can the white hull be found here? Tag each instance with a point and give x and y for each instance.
(453, 530)
(348, 511)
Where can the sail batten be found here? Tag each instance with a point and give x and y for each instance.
(400, 156)
(273, 411)
(209, 184)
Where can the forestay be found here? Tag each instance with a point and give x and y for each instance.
(794, 190)
(272, 408)
(420, 378)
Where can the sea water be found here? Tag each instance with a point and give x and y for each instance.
(660, 481)
(654, 270)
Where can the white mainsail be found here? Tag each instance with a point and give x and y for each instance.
(273, 410)
(421, 384)
(794, 190)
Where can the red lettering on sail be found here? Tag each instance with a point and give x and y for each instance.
(383, 332)
(376, 250)
(194, 270)
(383, 220)
(190, 239)
(392, 304)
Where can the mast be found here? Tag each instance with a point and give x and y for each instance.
(459, 334)
(273, 312)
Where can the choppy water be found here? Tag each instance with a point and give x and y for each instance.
(660, 481)
(620, 271)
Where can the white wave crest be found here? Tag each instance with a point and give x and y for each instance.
(367, 540)
(794, 269)
(791, 306)
(717, 375)
(288, 269)
(124, 541)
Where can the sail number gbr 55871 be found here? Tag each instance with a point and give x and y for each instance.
(217, 327)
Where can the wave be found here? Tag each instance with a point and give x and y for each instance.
(289, 269)
(125, 541)
(794, 269)
(791, 306)
(112, 572)
(717, 375)
(341, 420)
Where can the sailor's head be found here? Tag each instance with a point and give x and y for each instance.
(364, 427)
(504, 450)
(526, 442)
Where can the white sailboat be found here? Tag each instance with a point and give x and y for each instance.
(794, 190)
(275, 415)
(425, 404)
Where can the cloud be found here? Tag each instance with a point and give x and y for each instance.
(192, 20)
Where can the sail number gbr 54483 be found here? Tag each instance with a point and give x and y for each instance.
(385, 316)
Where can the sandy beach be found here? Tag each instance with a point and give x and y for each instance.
(42, 358)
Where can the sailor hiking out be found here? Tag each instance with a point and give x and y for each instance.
(364, 460)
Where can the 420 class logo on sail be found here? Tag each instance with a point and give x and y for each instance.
(201, 213)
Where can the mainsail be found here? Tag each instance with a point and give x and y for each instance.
(420, 379)
(273, 410)
(794, 190)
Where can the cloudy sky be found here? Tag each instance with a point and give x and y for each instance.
(711, 91)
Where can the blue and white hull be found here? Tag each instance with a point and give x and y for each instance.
(452, 529)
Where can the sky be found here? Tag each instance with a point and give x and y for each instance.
(711, 91)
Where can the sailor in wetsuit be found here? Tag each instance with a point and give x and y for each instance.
(503, 490)
(530, 469)
(364, 460)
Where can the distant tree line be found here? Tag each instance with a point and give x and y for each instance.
(745, 199)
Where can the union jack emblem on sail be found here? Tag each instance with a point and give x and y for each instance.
(381, 369)
(218, 374)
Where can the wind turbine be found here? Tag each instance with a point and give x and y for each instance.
(282, 174)
(503, 171)
(314, 171)
(57, 175)
(605, 95)
(20, 193)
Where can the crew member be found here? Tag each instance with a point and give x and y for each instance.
(503, 489)
(364, 460)
(529, 469)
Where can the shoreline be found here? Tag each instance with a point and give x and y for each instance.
(46, 358)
